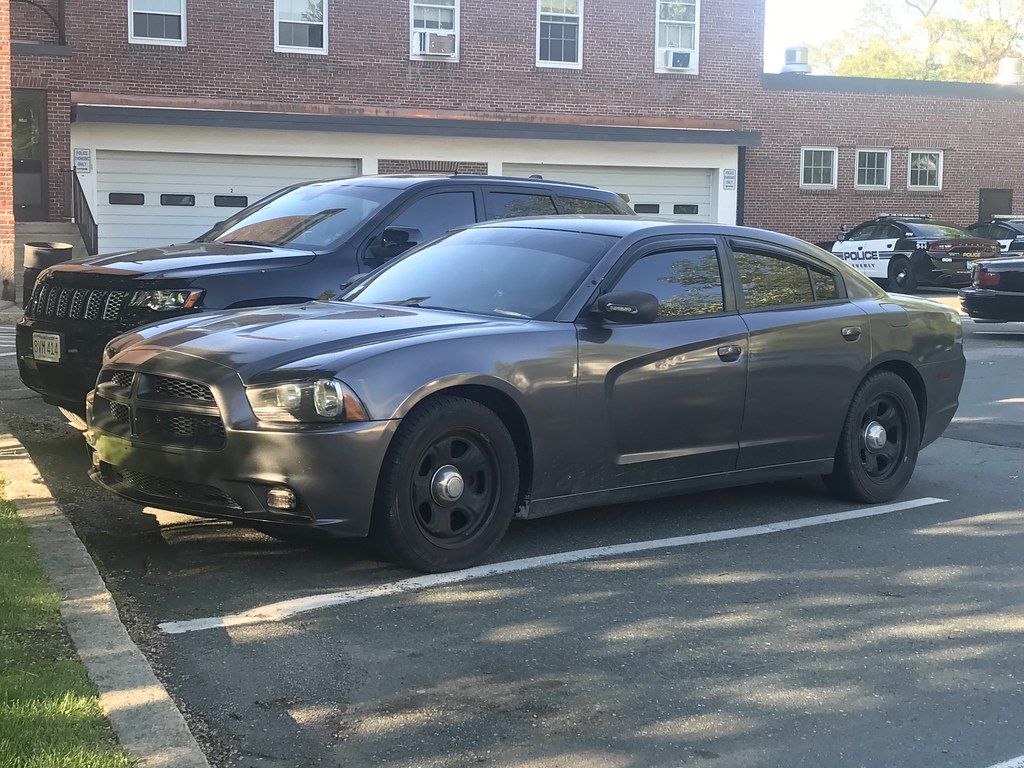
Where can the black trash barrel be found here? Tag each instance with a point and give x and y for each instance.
(39, 256)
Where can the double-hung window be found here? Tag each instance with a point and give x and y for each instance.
(818, 167)
(924, 169)
(560, 33)
(435, 29)
(872, 169)
(300, 26)
(156, 22)
(678, 35)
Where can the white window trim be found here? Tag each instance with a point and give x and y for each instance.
(888, 168)
(295, 48)
(578, 64)
(157, 40)
(659, 53)
(413, 32)
(925, 188)
(835, 167)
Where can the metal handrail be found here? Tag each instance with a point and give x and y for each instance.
(82, 215)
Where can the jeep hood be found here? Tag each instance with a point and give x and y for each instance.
(188, 261)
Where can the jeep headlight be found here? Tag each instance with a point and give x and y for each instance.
(164, 301)
(305, 401)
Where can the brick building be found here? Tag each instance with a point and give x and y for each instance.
(176, 112)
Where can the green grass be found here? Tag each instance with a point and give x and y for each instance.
(49, 710)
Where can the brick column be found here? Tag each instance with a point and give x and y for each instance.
(6, 160)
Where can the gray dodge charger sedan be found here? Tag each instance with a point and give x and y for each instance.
(524, 368)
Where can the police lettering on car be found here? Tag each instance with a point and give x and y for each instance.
(904, 251)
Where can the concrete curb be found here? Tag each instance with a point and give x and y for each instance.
(147, 723)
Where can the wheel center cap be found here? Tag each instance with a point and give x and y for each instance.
(447, 486)
(875, 436)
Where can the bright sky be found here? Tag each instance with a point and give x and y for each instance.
(795, 22)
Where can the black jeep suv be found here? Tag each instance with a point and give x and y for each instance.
(302, 243)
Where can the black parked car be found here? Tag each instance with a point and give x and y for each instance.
(1007, 230)
(997, 291)
(301, 243)
(904, 252)
(527, 368)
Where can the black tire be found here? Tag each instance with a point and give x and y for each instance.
(901, 275)
(863, 471)
(423, 522)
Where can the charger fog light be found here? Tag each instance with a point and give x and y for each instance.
(282, 498)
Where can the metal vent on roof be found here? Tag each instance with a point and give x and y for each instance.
(1011, 71)
(797, 61)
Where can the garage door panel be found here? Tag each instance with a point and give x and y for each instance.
(152, 174)
(663, 187)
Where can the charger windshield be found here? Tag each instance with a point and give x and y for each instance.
(506, 272)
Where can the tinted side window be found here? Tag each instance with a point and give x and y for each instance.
(980, 230)
(772, 281)
(436, 214)
(863, 232)
(685, 282)
(824, 285)
(1000, 232)
(889, 231)
(582, 205)
(506, 205)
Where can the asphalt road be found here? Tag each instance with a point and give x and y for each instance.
(892, 640)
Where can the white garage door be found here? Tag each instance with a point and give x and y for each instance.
(158, 198)
(683, 193)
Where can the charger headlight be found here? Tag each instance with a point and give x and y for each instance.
(305, 401)
(164, 301)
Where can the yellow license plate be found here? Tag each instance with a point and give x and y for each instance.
(46, 347)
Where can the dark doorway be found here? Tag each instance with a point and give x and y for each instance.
(28, 109)
(993, 202)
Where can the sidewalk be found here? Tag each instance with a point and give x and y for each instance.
(10, 313)
(147, 723)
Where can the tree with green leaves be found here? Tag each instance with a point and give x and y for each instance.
(955, 40)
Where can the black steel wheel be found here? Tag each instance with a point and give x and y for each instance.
(448, 487)
(880, 441)
(901, 275)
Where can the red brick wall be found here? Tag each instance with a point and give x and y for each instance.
(230, 55)
(51, 74)
(428, 166)
(981, 140)
(6, 161)
(28, 22)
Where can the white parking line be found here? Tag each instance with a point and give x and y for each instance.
(287, 608)
(1017, 762)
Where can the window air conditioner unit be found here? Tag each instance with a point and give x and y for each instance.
(676, 59)
(435, 44)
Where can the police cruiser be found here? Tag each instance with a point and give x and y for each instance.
(1008, 230)
(903, 252)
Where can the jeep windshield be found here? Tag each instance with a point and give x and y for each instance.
(313, 217)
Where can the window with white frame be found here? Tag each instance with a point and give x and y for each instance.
(300, 26)
(160, 22)
(924, 169)
(435, 29)
(678, 35)
(818, 167)
(560, 33)
(872, 169)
